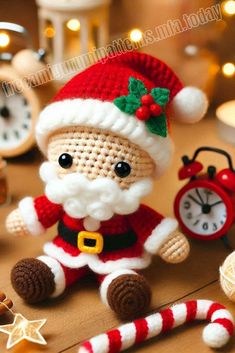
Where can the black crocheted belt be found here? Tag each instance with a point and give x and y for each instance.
(110, 242)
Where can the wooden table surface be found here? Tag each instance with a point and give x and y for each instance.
(80, 314)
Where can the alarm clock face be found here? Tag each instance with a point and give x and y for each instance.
(204, 210)
(15, 120)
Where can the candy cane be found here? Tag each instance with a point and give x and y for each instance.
(216, 334)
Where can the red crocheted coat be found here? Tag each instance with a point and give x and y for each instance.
(141, 234)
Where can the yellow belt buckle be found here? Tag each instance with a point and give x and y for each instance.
(95, 238)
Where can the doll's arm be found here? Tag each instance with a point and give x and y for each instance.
(33, 216)
(159, 235)
(175, 248)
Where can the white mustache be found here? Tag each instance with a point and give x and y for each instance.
(100, 198)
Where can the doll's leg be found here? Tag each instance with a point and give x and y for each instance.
(126, 292)
(37, 279)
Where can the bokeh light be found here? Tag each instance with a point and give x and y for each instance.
(4, 40)
(229, 7)
(136, 35)
(73, 24)
(228, 69)
(49, 32)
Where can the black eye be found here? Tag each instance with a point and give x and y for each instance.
(65, 160)
(122, 169)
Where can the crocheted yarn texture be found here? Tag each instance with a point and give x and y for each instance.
(89, 100)
(105, 135)
(216, 334)
(95, 152)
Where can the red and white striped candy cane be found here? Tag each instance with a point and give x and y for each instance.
(216, 334)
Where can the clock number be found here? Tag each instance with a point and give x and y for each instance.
(189, 215)
(196, 222)
(215, 227)
(187, 205)
(205, 226)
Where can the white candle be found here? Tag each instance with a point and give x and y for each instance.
(226, 121)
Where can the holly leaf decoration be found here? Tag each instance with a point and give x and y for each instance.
(127, 104)
(136, 87)
(160, 96)
(157, 125)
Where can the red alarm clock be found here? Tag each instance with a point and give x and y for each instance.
(205, 206)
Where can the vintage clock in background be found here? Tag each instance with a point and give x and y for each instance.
(20, 106)
(18, 114)
(205, 206)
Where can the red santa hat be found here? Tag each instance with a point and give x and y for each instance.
(132, 95)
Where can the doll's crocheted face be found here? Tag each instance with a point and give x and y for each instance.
(94, 152)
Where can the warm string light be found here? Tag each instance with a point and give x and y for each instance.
(4, 39)
(136, 35)
(228, 69)
(228, 7)
(73, 25)
(22, 329)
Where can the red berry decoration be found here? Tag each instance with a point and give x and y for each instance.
(147, 99)
(155, 109)
(143, 113)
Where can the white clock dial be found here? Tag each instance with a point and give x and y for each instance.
(202, 211)
(15, 120)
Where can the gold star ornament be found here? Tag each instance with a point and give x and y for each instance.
(23, 329)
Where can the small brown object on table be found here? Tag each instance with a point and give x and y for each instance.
(5, 303)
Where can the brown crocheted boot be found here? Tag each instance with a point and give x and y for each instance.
(129, 296)
(32, 280)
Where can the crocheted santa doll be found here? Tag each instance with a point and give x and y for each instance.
(105, 135)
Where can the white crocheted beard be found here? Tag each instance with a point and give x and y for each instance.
(100, 198)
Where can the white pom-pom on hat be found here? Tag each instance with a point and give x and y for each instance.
(189, 105)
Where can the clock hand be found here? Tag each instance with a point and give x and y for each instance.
(199, 195)
(195, 200)
(216, 203)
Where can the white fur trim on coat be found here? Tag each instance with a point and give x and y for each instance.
(91, 224)
(58, 273)
(29, 215)
(108, 280)
(105, 116)
(160, 234)
(93, 261)
(189, 105)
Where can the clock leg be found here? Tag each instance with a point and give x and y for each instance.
(226, 242)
